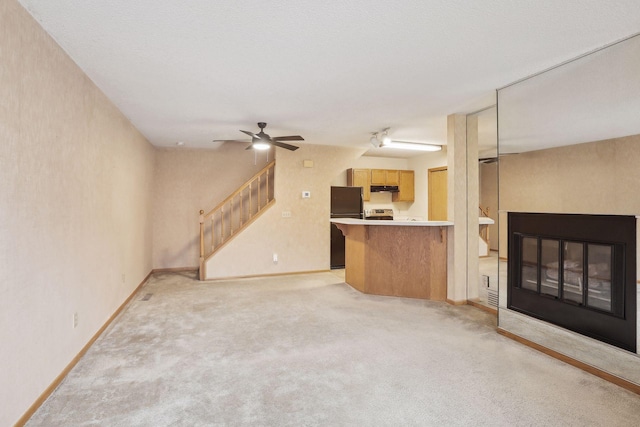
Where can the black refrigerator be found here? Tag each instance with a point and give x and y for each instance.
(346, 202)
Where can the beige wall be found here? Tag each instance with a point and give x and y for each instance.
(301, 241)
(593, 178)
(187, 181)
(75, 186)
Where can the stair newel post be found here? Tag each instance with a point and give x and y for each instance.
(201, 245)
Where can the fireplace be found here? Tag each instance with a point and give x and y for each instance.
(577, 272)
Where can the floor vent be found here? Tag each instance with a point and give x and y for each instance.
(147, 297)
(492, 297)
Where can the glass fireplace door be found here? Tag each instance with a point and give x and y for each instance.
(576, 271)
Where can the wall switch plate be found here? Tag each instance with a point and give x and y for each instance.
(275, 258)
(306, 194)
(75, 319)
(286, 214)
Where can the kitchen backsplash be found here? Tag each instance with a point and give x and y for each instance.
(383, 201)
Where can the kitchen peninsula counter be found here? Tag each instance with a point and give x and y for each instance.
(396, 258)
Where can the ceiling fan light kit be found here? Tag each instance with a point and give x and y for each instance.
(260, 145)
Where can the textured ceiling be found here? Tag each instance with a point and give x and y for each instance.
(332, 71)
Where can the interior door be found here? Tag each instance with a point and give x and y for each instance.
(437, 179)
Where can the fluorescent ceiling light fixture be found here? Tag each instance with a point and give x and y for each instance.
(261, 145)
(406, 145)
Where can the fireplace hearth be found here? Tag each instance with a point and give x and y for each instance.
(577, 272)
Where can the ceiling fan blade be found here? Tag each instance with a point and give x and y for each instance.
(251, 134)
(286, 146)
(487, 160)
(249, 147)
(289, 138)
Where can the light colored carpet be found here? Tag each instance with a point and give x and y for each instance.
(309, 350)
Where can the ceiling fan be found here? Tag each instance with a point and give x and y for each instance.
(493, 159)
(262, 141)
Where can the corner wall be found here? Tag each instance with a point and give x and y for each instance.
(187, 181)
(75, 207)
(302, 240)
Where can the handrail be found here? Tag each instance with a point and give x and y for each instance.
(243, 187)
(233, 214)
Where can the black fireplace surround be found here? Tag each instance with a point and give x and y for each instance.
(577, 272)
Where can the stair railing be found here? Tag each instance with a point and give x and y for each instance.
(484, 229)
(234, 213)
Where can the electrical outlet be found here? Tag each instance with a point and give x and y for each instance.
(123, 278)
(75, 319)
(275, 258)
(286, 214)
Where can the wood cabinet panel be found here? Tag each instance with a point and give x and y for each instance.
(385, 177)
(360, 178)
(392, 177)
(378, 262)
(378, 177)
(406, 187)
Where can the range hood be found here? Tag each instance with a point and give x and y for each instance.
(387, 188)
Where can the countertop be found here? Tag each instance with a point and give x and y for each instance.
(410, 223)
(353, 221)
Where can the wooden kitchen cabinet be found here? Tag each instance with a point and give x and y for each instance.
(360, 178)
(378, 177)
(365, 178)
(406, 187)
(393, 177)
(385, 177)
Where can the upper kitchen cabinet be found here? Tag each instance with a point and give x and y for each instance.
(360, 178)
(385, 177)
(406, 187)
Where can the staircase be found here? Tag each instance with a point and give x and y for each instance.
(483, 249)
(235, 213)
